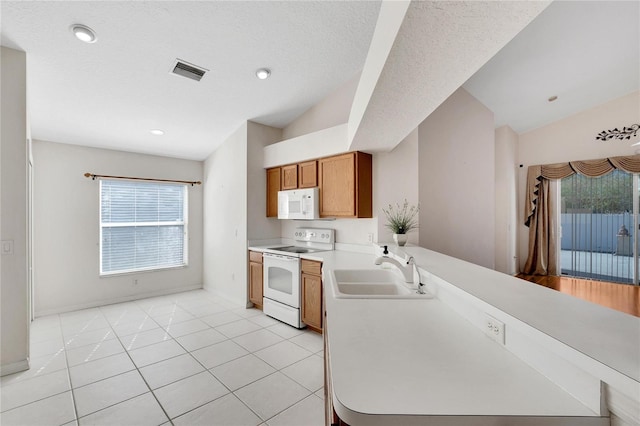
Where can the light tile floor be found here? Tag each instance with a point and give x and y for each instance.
(183, 359)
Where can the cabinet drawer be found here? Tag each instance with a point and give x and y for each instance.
(255, 256)
(311, 267)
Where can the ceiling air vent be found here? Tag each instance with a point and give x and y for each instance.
(185, 69)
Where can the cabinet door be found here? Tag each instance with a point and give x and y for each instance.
(290, 177)
(312, 301)
(255, 283)
(338, 185)
(308, 174)
(273, 186)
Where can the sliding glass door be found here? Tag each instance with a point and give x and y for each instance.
(598, 218)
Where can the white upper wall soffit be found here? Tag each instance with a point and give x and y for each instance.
(111, 93)
(584, 52)
(439, 45)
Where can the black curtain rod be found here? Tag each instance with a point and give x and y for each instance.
(94, 177)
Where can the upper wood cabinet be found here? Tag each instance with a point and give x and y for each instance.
(345, 183)
(273, 186)
(289, 177)
(308, 174)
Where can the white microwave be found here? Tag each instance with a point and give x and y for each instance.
(299, 204)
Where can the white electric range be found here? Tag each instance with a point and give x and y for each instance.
(282, 273)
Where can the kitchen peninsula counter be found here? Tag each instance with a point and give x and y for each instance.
(407, 361)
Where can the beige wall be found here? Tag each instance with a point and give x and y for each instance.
(225, 218)
(259, 227)
(66, 227)
(331, 111)
(506, 199)
(234, 208)
(395, 173)
(14, 320)
(457, 180)
(573, 138)
(395, 178)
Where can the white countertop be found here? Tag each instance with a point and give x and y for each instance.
(399, 358)
(419, 362)
(608, 336)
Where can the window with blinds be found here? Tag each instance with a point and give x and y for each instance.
(143, 226)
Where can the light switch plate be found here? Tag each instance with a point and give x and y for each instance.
(7, 247)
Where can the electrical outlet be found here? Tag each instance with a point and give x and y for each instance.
(135, 281)
(370, 237)
(494, 328)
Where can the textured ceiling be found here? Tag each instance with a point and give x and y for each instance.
(438, 47)
(584, 52)
(111, 93)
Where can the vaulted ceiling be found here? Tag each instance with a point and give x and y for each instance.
(111, 93)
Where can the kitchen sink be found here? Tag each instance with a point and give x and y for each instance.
(372, 284)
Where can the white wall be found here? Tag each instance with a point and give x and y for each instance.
(573, 138)
(14, 319)
(506, 199)
(66, 227)
(225, 218)
(457, 180)
(317, 144)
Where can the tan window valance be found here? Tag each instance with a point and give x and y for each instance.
(591, 168)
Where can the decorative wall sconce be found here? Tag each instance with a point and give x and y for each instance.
(625, 133)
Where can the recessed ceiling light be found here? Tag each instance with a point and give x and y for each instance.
(552, 98)
(84, 33)
(263, 73)
(157, 132)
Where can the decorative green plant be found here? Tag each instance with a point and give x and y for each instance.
(401, 219)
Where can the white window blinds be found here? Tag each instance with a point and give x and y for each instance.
(143, 226)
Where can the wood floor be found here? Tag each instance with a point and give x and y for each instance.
(622, 297)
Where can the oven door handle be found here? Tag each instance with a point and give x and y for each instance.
(280, 257)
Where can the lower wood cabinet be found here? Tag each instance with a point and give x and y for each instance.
(255, 278)
(311, 283)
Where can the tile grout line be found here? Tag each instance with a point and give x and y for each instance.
(209, 326)
(66, 360)
(214, 376)
(142, 376)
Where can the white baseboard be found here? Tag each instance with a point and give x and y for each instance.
(225, 296)
(14, 367)
(112, 301)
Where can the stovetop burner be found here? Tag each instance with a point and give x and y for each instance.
(295, 249)
(306, 240)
